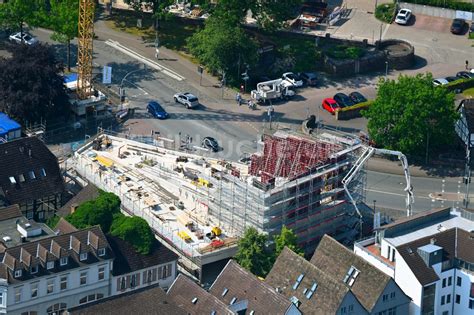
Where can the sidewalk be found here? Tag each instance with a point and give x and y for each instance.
(391, 167)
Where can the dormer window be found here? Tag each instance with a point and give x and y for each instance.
(43, 172)
(31, 175)
(63, 261)
(34, 269)
(101, 252)
(83, 257)
(18, 273)
(12, 180)
(50, 265)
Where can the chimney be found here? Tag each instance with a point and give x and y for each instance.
(73, 207)
(432, 241)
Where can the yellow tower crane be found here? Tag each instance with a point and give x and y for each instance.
(85, 50)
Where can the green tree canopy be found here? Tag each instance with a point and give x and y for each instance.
(286, 238)
(252, 253)
(15, 13)
(410, 111)
(99, 211)
(134, 230)
(31, 85)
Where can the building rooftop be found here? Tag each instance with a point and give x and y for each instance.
(64, 227)
(149, 300)
(365, 281)
(28, 171)
(189, 296)
(127, 259)
(87, 193)
(15, 229)
(327, 295)
(455, 243)
(241, 290)
(32, 257)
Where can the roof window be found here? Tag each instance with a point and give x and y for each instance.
(298, 281)
(351, 275)
(194, 301)
(233, 300)
(21, 177)
(18, 273)
(43, 172)
(12, 180)
(225, 291)
(310, 293)
(31, 175)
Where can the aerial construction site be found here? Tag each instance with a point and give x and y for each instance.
(201, 205)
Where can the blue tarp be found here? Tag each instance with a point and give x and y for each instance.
(70, 78)
(7, 124)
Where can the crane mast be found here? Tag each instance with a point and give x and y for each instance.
(85, 50)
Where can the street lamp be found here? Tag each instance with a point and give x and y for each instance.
(386, 69)
(374, 204)
(123, 80)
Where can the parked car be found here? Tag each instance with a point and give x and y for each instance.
(451, 79)
(403, 16)
(465, 74)
(309, 78)
(357, 98)
(155, 109)
(330, 105)
(440, 81)
(343, 100)
(471, 29)
(457, 27)
(187, 99)
(292, 78)
(210, 143)
(27, 39)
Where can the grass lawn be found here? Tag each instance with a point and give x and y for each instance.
(172, 33)
(469, 93)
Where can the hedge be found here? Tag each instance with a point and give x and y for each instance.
(385, 12)
(448, 4)
(461, 84)
(352, 111)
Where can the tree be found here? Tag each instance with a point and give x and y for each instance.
(252, 253)
(63, 17)
(410, 113)
(15, 13)
(99, 211)
(223, 47)
(286, 238)
(31, 86)
(134, 230)
(272, 15)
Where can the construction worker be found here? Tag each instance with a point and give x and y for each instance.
(157, 52)
(238, 98)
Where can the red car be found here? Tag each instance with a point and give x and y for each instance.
(330, 105)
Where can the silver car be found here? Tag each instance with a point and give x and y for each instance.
(187, 99)
(23, 38)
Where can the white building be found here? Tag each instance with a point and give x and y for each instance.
(431, 257)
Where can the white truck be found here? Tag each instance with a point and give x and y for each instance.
(272, 90)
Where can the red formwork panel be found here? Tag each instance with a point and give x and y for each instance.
(289, 156)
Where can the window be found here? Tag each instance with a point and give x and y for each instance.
(448, 298)
(133, 281)
(50, 265)
(34, 269)
(444, 283)
(194, 300)
(18, 273)
(49, 286)
(351, 275)
(31, 175)
(122, 284)
(30, 313)
(83, 278)
(90, 298)
(450, 280)
(18, 295)
(101, 251)
(459, 281)
(43, 172)
(1, 298)
(34, 290)
(233, 300)
(225, 291)
(392, 311)
(101, 275)
(385, 297)
(12, 180)
(56, 308)
(458, 299)
(149, 276)
(443, 300)
(392, 295)
(21, 177)
(63, 283)
(343, 310)
(471, 294)
(63, 261)
(446, 313)
(83, 256)
(298, 281)
(471, 304)
(312, 290)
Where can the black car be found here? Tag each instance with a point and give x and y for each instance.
(457, 27)
(343, 100)
(357, 98)
(309, 78)
(465, 75)
(210, 143)
(451, 79)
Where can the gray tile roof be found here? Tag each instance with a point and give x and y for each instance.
(328, 295)
(87, 193)
(21, 156)
(10, 212)
(184, 291)
(64, 227)
(336, 260)
(149, 301)
(243, 285)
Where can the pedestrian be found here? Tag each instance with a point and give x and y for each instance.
(467, 64)
(249, 103)
(237, 98)
(241, 88)
(157, 52)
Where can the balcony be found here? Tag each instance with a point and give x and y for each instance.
(370, 251)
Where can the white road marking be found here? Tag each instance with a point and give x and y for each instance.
(147, 61)
(395, 194)
(141, 89)
(385, 31)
